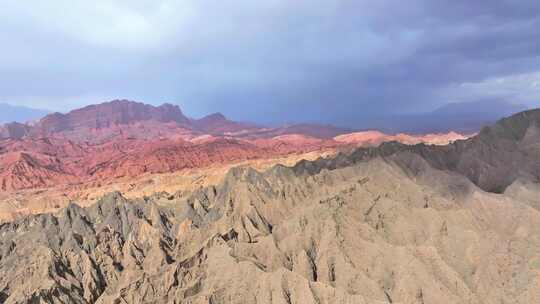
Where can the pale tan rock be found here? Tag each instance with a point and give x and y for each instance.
(391, 225)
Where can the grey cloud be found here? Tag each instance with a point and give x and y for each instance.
(272, 61)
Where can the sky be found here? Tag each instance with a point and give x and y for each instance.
(271, 60)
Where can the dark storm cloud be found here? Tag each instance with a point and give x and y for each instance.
(272, 61)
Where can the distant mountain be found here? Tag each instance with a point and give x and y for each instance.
(485, 108)
(126, 119)
(129, 119)
(314, 130)
(11, 113)
(464, 117)
(217, 123)
(319, 131)
(109, 114)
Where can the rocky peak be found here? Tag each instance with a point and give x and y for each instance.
(14, 130)
(217, 123)
(492, 160)
(108, 114)
(513, 127)
(214, 117)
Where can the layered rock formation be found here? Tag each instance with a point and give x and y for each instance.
(42, 163)
(388, 224)
(123, 138)
(124, 118)
(117, 112)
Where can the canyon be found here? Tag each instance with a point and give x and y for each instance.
(64, 157)
(383, 222)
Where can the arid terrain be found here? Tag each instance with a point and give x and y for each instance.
(140, 149)
(392, 223)
(270, 152)
(160, 208)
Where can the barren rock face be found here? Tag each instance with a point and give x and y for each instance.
(493, 160)
(13, 130)
(117, 112)
(394, 224)
(368, 233)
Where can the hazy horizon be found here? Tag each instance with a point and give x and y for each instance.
(464, 117)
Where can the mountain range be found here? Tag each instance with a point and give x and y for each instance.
(463, 117)
(384, 223)
(126, 118)
(129, 139)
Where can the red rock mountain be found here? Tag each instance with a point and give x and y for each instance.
(129, 119)
(124, 138)
(20, 170)
(38, 163)
(107, 115)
